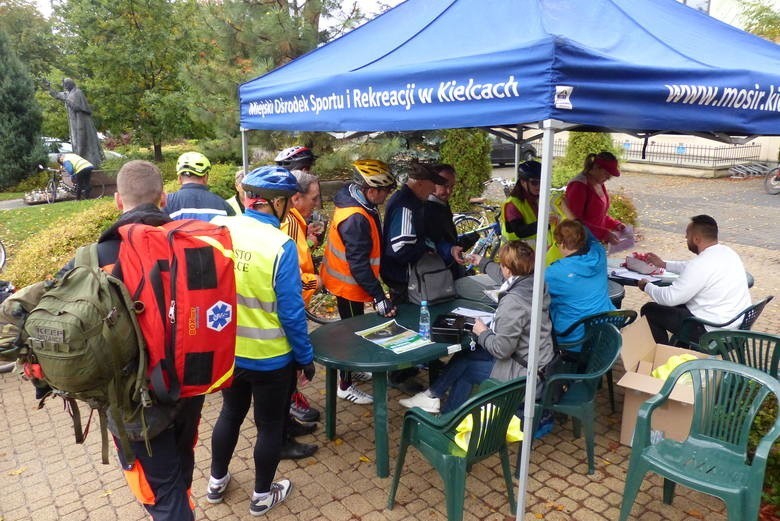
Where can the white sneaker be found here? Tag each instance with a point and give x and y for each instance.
(361, 376)
(216, 490)
(423, 401)
(354, 395)
(278, 493)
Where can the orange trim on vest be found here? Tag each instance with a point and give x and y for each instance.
(334, 272)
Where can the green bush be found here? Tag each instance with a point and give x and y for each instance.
(468, 150)
(44, 253)
(622, 208)
(764, 421)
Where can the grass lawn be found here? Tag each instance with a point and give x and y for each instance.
(19, 223)
(7, 196)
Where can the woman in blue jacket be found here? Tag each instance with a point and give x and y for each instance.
(578, 282)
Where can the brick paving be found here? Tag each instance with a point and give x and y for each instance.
(45, 476)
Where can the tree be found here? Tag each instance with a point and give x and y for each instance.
(129, 54)
(240, 39)
(468, 150)
(31, 38)
(20, 145)
(761, 19)
(579, 146)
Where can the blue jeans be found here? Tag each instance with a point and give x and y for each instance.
(464, 370)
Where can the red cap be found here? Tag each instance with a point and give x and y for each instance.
(610, 165)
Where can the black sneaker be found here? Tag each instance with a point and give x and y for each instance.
(301, 409)
(297, 428)
(217, 488)
(278, 493)
(292, 449)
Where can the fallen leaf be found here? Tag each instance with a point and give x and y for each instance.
(17, 471)
(338, 441)
(695, 513)
(106, 492)
(539, 516)
(365, 459)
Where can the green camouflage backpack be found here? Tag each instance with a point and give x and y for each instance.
(84, 335)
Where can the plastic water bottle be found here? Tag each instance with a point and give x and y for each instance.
(425, 320)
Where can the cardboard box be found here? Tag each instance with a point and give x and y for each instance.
(640, 355)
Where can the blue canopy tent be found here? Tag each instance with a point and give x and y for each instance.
(623, 65)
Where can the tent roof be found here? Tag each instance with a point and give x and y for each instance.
(618, 64)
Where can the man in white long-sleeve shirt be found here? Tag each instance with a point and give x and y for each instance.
(713, 286)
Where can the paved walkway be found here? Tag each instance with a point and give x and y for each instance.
(45, 476)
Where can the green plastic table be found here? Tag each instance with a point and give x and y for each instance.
(336, 346)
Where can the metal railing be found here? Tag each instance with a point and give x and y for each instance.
(713, 156)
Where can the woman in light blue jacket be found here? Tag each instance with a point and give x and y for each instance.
(578, 282)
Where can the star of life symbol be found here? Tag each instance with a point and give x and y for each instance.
(219, 315)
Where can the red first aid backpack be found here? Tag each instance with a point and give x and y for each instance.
(181, 277)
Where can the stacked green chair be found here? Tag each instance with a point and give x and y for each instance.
(713, 458)
(747, 317)
(600, 350)
(434, 436)
(759, 350)
(619, 318)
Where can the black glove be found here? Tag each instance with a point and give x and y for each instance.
(383, 307)
(308, 371)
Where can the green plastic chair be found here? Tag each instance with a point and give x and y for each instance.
(619, 318)
(759, 350)
(713, 459)
(747, 317)
(434, 438)
(600, 351)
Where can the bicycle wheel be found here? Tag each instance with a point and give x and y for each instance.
(51, 191)
(3, 257)
(772, 182)
(322, 307)
(466, 223)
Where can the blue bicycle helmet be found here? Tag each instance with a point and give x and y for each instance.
(268, 182)
(529, 170)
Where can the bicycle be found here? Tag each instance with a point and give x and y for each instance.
(60, 186)
(322, 307)
(3, 256)
(487, 227)
(772, 181)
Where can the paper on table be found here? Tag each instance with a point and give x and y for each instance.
(485, 316)
(628, 274)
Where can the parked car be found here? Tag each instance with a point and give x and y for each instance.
(55, 147)
(503, 151)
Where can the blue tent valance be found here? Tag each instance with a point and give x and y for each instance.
(651, 65)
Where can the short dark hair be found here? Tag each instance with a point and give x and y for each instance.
(705, 226)
(444, 167)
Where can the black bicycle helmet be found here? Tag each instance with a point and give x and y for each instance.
(295, 158)
(529, 170)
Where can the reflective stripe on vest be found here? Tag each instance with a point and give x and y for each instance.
(335, 273)
(256, 246)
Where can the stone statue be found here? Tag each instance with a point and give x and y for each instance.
(83, 135)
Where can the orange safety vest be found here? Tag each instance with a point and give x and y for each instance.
(295, 226)
(334, 272)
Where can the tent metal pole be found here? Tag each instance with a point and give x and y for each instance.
(519, 135)
(244, 150)
(536, 312)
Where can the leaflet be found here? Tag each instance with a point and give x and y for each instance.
(390, 335)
